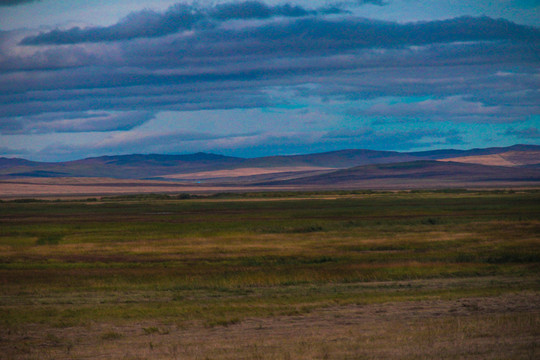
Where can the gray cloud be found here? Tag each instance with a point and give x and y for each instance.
(485, 67)
(186, 83)
(156, 142)
(74, 122)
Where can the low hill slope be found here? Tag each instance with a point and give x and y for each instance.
(420, 171)
(509, 158)
(333, 159)
(139, 166)
(452, 153)
(124, 166)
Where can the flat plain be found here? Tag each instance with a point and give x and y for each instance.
(290, 275)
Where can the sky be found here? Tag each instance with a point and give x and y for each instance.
(255, 78)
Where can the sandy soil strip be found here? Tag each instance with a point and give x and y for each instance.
(56, 187)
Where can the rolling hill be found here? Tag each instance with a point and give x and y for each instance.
(336, 168)
(135, 166)
(334, 159)
(420, 172)
(452, 153)
(139, 166)
(509, 158)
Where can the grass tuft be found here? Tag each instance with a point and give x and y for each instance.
(49, 239)
(111, 335)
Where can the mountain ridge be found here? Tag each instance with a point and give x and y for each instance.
(152, 166)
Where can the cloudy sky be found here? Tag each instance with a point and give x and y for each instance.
(253, 78)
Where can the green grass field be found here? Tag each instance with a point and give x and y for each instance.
(272, 276)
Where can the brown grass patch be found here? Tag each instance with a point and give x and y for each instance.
(503, 327)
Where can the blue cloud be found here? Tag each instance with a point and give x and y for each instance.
(528, 133)
(15, 2)
(396, 140)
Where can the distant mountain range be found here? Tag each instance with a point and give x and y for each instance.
(344, 168)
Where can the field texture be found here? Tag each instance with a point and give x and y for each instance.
(336, 275)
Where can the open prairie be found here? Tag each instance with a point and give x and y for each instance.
(336, 275)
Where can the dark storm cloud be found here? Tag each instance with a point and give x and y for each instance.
(15, 2)
(307, 38)
(149, 24)
(256, 10)
(336, 34)
(145, 23)
(317, 35)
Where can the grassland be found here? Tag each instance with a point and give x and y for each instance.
(336, 275)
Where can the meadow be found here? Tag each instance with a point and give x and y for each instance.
(322, 275)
